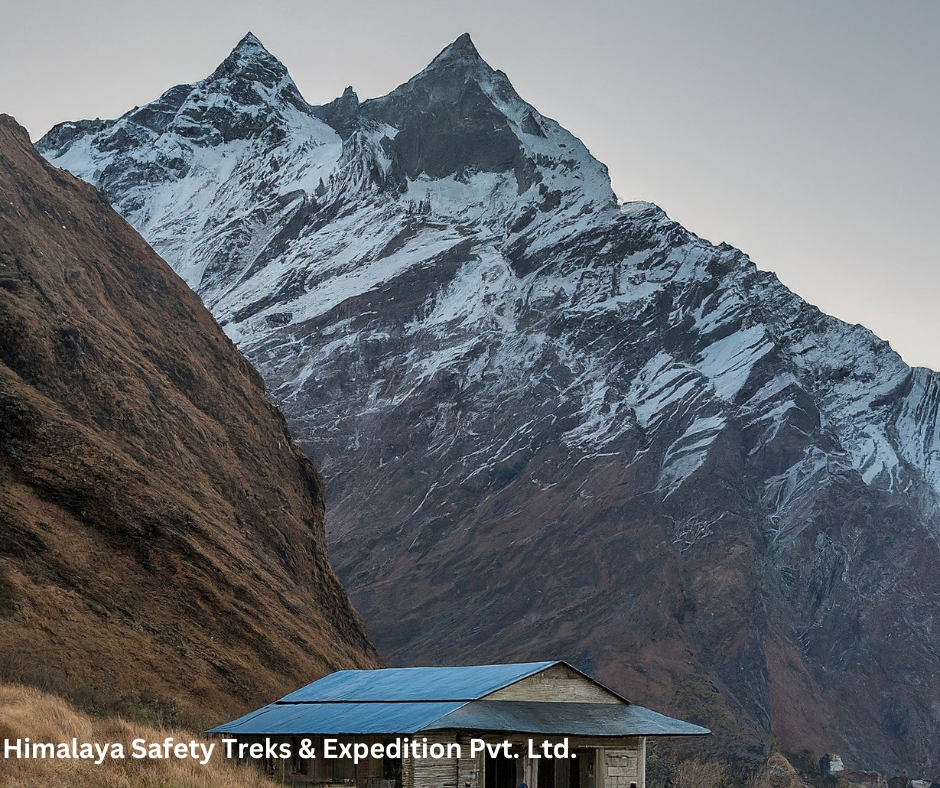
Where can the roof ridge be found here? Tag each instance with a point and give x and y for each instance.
(544, 663)
(455, 683)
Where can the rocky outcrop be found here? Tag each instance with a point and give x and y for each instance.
(777, 772)
(161, 537)
(554, 426)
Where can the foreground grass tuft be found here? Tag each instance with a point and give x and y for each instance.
(27, 712)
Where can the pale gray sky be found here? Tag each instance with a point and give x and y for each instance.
(805, 132)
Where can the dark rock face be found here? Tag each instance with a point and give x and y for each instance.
(447, 121)
(455, 136)
(341, 114)
(552, 426)
(161, 537)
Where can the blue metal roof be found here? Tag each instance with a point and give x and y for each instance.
(409, 700)
(463, 683)
(564, 719)
(338, 718)
(543, 718)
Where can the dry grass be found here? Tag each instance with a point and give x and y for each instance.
(699, 774)
(27, 712)
(778, 772)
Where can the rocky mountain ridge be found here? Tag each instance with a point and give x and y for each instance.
(161, 537)
(584, 432)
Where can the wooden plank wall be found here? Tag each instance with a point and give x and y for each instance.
(434, 772)
(619, 763)
(558, 684)
(469, 770)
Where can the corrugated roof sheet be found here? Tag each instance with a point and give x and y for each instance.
(410, 700)
(468, 682)
(338, 718)
(547, 719)
(553, 718)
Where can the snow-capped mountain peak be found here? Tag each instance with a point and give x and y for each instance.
(249, 57)
(459, 116)
(248, 50)
(457, 63)
(441, 291)
(252, 76)
(462, 48)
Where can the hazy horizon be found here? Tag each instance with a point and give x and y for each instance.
(804, 135)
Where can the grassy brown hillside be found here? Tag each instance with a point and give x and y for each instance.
(26, 712)
(161, 537)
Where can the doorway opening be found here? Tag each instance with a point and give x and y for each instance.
(501, 772)
(577, 772)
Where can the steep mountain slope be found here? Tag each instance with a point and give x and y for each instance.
(161, 542)
(553, 426)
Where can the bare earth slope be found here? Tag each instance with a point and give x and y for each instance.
(161, 537)
(552, 425)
